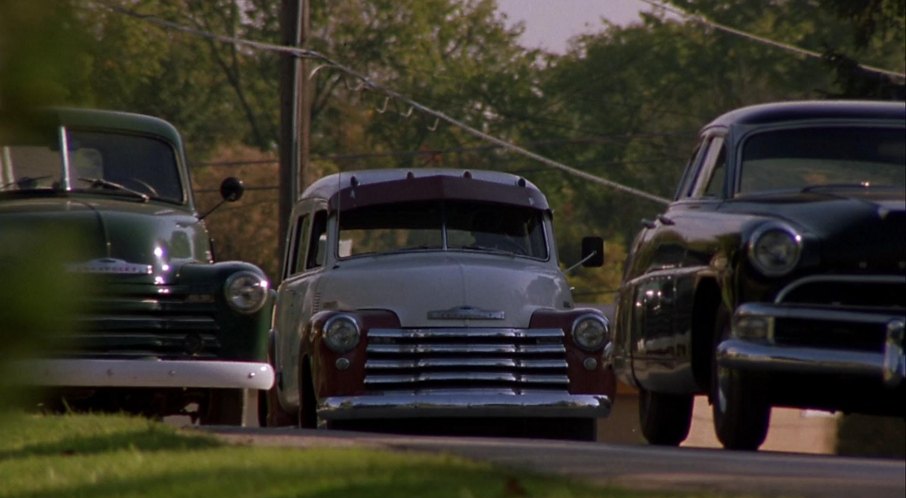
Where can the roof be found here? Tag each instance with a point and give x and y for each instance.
(812, 110)
(99, 119)
(366, 187)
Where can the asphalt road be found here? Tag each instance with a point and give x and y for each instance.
(631, 466)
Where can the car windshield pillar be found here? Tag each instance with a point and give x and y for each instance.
(66, 180)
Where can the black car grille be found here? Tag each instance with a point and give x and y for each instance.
(869, 295)
(505, 360)
(145, 322)
(863, 292)
(830, 335)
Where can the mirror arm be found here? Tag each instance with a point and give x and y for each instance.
(579, 263)
(212, 209)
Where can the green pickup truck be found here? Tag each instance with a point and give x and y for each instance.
(163, 329)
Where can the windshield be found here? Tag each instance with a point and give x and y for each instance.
(814, 157)
(457, 226)
(99, 161)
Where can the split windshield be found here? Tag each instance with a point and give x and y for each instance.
(450, 225)
(99, 162)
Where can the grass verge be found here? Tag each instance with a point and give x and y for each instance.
(106, 455)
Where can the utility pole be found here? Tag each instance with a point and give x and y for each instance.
(295, 114)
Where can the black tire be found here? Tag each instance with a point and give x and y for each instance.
(740, 409)
(223, 407)
(665, 419)
(582, 429)
(568, 428)
(271, 413)
(308, 415)
(741, 415)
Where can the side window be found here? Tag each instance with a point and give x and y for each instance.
(688, 180)
(317, 244)
(710, 180)
(303, 230)
(715, 185)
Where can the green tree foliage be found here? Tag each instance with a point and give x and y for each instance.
(624, 103)
(847, 33)
(42, 56)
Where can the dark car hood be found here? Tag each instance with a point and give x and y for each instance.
(863, 231)
(112, 237)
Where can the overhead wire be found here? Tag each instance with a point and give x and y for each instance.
(368, 84)
(761, 39)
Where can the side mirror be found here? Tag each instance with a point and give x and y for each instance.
(592, 251)
(231, 189)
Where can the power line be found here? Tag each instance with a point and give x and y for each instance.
(760, 39)
(602, 139)
(365, 83)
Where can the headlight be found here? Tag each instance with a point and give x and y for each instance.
(341, 333)
(245, 291)
(774, 249)
(590, 332)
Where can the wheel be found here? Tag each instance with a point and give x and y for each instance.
(739, 407)
(308, 415)
(582, 429)
(223, 407)
(270, 412)
(665, 418)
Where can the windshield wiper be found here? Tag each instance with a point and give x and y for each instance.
(496, 250)
(107, 184)
(25, 183)
(832, 186)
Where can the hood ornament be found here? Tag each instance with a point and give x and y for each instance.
(110, 266)
(465, 313)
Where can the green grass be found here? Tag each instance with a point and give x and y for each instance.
(105, 456)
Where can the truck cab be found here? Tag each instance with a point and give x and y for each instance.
(434, 295)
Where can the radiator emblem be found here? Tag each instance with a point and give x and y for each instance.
(110, 266)
(465, 313)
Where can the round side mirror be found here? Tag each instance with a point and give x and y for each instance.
(231, 189)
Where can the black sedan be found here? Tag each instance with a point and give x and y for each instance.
(776, 277)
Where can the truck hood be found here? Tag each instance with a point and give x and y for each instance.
(447, 289)
(143, 241)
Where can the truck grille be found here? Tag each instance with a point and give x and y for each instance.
(146, 321)
(861, 294)
(505, 360)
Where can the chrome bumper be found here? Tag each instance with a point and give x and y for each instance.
(888, 365)
(144, 373)
(418, 405)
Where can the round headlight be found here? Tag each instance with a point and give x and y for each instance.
(590, 332)
(774, 249)
(341, 333)
(246, 292)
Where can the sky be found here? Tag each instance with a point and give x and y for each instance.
(549, 24)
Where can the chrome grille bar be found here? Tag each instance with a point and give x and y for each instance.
(505, 359)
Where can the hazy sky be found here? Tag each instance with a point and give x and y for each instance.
(549, 24)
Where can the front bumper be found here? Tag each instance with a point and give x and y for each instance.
(84, 372)
(886, 364)
(466, 405)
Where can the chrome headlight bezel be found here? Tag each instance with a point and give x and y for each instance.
(342, 333)
(774, 249)
(246, 291)
(590, 332)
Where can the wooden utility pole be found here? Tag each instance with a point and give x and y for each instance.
(294, 112)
